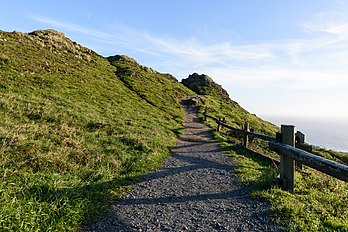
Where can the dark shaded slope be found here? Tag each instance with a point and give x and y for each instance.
(161, 90)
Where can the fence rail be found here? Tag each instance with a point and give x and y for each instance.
(327, 166)
(285, 144)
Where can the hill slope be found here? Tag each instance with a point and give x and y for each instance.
(160, 90)
(76, 129)
(219, 104)
(71, 133)
(319, 202)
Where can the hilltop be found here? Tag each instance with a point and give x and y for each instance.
(204, 85)
(162, 91)
(74, 129)
(78, 129)
(219, 104)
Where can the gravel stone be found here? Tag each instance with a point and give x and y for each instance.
(194, 190)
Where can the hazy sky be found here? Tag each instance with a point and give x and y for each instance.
(273, 57)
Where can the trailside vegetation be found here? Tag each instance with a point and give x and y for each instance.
(73, 135)
(319, 202)
(77, 129)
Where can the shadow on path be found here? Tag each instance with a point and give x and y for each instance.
(194, 190)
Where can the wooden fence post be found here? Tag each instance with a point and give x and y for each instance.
(251, 138)
(287, 165)
(246, 137)
(205, 114)
(299, 141)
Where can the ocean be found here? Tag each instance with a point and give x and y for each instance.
(324, 132)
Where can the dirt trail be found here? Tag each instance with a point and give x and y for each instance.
(194, 190)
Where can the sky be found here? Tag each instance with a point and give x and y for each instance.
(273, 57)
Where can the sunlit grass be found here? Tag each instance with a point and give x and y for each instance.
(72, 135)
(235, 115)
(319, 202)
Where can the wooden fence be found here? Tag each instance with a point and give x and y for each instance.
(291, 147)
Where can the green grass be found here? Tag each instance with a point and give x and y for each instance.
(160, 90)
(319, 202)
(235, 115)
(340, 157)
(72, 135)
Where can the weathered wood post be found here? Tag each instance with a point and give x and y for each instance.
(246, 137)
(287, 165)
(299, 142)
(300, 137)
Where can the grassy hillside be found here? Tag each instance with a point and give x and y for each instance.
(319, 202)
(72, 135)
(160, 90)
(219, 104)
(235, 115)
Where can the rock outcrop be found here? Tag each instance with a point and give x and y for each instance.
(204, 85)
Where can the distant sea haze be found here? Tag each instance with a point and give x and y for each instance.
(331, 133)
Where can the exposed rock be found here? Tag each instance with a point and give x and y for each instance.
(193, 101)
(203, 85)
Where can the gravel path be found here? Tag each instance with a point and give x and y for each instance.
(194, 190)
